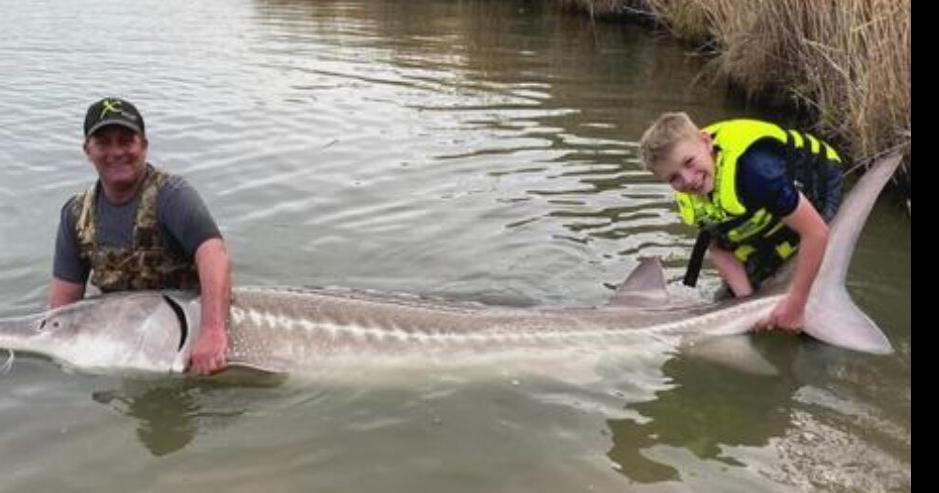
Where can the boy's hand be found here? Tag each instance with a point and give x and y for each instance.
(788, 315)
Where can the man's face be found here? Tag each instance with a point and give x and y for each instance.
(689, 167)
(119, 154)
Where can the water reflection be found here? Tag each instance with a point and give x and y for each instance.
(170, 413)
(709, 408)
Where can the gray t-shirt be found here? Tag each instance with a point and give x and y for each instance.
(183, 218)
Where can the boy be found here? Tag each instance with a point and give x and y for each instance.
(758, 192)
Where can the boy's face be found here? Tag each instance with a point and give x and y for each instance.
(689, 168)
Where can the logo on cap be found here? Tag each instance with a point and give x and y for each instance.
(115, 106)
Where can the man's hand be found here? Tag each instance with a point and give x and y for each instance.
(208, 354)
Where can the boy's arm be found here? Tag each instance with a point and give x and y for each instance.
(731, 270)
(813, 232)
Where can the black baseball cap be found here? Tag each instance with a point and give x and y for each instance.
(112, 111)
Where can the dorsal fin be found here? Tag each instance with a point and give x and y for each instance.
(645, 285)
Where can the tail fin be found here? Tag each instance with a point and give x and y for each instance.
(831, 315)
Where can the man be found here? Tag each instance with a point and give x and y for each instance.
(140, 227)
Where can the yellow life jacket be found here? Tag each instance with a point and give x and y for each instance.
(723, 217)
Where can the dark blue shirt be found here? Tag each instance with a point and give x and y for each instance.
(763, 180)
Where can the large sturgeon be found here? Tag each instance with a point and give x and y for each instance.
(283, 329)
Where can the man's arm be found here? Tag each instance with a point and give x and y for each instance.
(813, 232)
(188, 222)
(731, 270)
(63, 292)
(69, 271)
(208, 353)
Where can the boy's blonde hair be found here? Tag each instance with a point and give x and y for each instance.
(658, 140)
